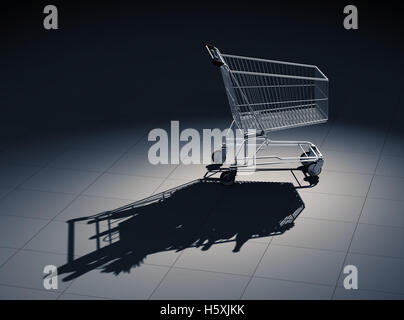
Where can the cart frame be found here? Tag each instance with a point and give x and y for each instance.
(288, 99)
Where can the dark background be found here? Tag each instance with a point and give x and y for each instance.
(112, 62)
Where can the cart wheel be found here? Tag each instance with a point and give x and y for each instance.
(314, 169)
(305, 155)
(219, 156)
(227, 177)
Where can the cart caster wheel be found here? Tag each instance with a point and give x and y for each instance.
(314, 169)
(227, 177)
(219, 156)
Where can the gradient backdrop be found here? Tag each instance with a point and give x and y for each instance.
(129, 61)
(77, 104)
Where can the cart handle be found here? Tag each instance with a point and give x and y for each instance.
(214, 53)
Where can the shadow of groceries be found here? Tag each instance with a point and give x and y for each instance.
(198, 214)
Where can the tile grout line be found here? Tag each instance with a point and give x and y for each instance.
(351, 196)
(252, 241)
(179, 256)
(255, 270)
(267, 248)
(334, 251)
(386, 136)
(221, 272)
(165, 275)
(165, 179)
(173, 265)
(45, 290)
(184, 180)
(353, 234)
(352, 222)
(12, 189)
(77, 195)
(49, 221)
(328, 132)
(40, 168)
(85, 189)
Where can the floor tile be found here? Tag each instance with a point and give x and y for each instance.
(383, 212)
(58, 233)
(37, 154)
(333, 207)
(390, 166)
(378, 240)
(301, 264)
(220, 258)
(164, 258)
(200, 285)
(353, 138)
(269, 289)
(34, 204)
(318, 234)
(343, 294)
(314, 134)
(26, 269)
(14, 293)
(377, 273)
(350, 162)
(16, 231)
(61, 180)
(6, 253)
(12, 176)
(69, 296)
(394, 145)
(350, 184)
(85, 160)
(138, 284)
(108, 139)
(137, 163)
(188, 171)
(387, 188)
(123, 186)
(171, 183)
(85, 206)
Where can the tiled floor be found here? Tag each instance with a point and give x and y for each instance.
(354, 215)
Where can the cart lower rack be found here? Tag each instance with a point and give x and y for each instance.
(266, 96)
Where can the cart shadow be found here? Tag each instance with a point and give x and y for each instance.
(199, 214)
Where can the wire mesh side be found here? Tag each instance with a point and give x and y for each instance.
(271, 95)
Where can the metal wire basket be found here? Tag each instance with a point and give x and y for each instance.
(268, 95)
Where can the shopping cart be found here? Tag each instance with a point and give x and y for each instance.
(266, 96)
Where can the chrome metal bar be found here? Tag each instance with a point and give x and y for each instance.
(277, 75)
